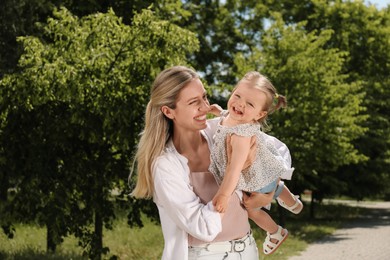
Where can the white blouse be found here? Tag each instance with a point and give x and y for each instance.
(181, 211)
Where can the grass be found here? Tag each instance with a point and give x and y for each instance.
(147, 243)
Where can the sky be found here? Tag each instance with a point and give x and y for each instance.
(378, 3)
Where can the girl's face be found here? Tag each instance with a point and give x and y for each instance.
(191, 107)
(246, 104)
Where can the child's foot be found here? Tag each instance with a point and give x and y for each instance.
(273, 241)
(296, 208)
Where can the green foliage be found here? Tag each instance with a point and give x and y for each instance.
(324, 110)
(72, 114)
(25, 17)
(334, 73)
(71, 111)
(147, 242)
(362, 32)
(223, 29)
(18, 18)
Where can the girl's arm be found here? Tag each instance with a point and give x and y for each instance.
(240, 147)
(215, 109)
(251, 156)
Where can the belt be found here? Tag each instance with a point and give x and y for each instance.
(237, 245)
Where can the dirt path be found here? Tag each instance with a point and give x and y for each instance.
(365, 238)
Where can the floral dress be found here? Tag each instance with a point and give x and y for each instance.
(269, 164)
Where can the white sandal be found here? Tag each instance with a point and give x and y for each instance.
(296, 208)
(268, 246)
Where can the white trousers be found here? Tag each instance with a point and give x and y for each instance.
(203, 253)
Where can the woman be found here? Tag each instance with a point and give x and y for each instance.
(173, 157)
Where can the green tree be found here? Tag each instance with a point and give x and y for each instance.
(71, 116)
(16, 19)
(358, 31)
(224, 28)
(362, 32)
(323, 117)
(23, 17)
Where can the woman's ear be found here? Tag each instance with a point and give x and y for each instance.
(168, 112)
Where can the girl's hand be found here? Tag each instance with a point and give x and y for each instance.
(257, 200)
(215, 110)
(220, 202)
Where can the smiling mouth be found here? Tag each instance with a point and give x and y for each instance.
(237, 111)
(200, 118)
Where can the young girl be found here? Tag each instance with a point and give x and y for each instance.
(252, 100)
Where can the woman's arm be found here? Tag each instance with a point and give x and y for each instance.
(257, 200)
(240, 147)
(175, 197)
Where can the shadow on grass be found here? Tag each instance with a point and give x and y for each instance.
(335, 216)
(302, 229)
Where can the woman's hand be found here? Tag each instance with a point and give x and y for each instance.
(257, 200)
(251, 155)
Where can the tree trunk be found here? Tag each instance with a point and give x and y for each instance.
(97, 243)
(98, 238)
(4, 185)
(312, 207)
(282, 216)
(51, 245)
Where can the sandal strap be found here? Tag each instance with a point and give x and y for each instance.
(270, 243)
(296, 204)
(278, 234)
(290, 208)
(268, 246)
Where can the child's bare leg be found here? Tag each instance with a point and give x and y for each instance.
(275, 233)
(263, 220)
(290, 200)
(287, 196)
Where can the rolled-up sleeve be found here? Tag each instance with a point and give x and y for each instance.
(174, 194)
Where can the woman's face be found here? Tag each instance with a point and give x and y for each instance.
(246, 103)
(191, 107)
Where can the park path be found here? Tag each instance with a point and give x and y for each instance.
(365, 238)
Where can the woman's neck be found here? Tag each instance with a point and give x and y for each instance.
(194, 147)
(187, 142)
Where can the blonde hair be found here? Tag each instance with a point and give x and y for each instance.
(158, 128)
(274, 100)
